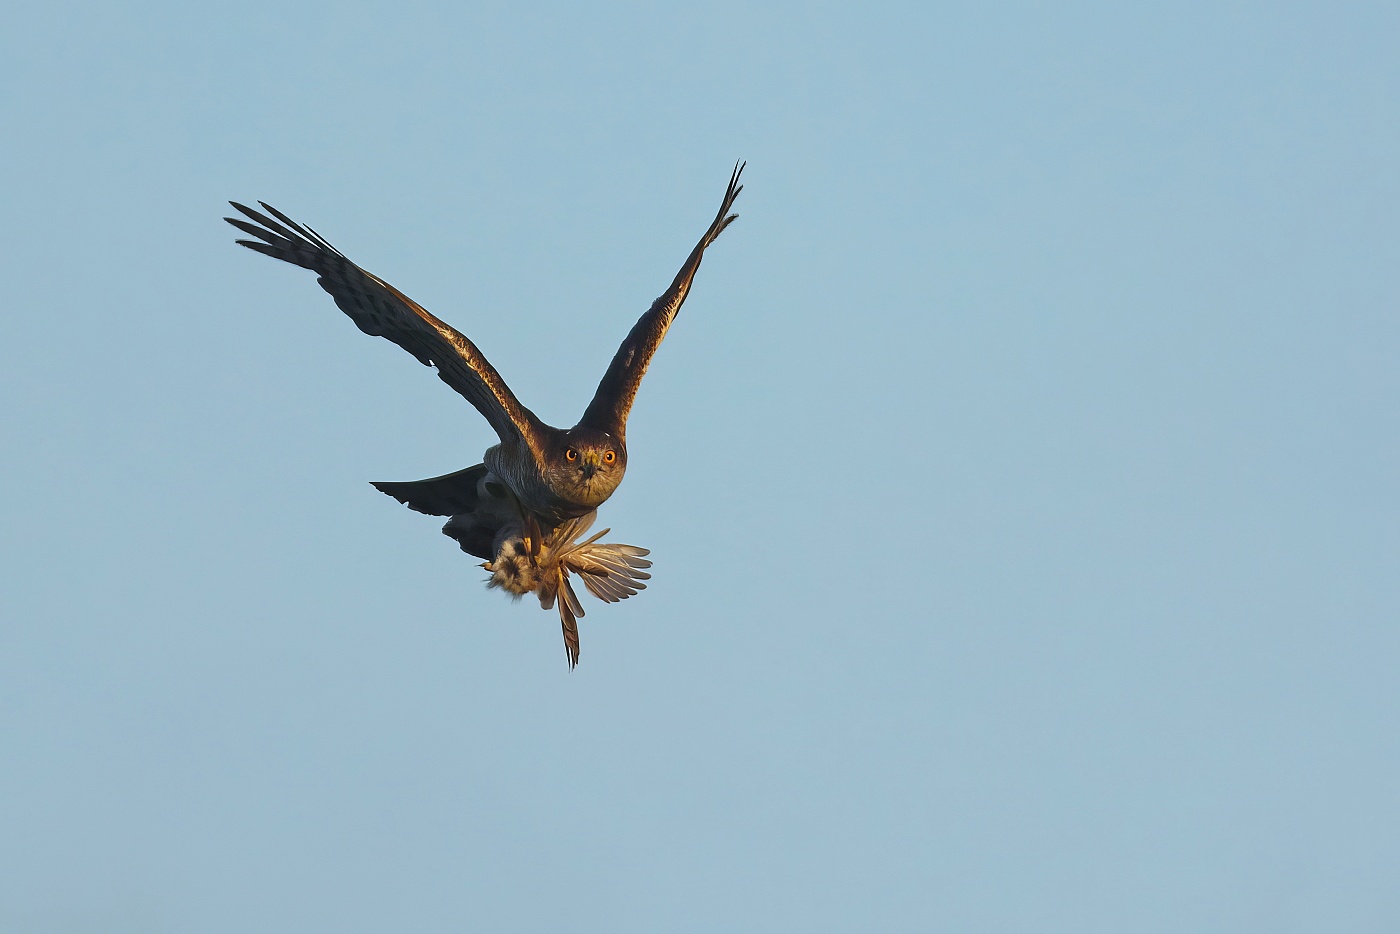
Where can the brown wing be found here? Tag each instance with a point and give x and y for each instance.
(379, 309)
(613, 399)
(453, 494)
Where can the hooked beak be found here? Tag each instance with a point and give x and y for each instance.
(590, 465)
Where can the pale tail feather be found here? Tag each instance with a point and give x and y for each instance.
(569, 612)
(610, 572)
(571, 643)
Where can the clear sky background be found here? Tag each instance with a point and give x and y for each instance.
(1021, 474)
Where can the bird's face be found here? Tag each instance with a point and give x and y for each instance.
(587, 466)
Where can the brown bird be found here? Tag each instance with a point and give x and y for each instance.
(526, 506)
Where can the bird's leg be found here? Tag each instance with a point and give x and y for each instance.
(532, 536)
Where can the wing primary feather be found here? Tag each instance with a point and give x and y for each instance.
(262, 248)
(265, 235)
(263, 219)
(305, 231)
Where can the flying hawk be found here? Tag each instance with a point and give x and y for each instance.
(526, 508)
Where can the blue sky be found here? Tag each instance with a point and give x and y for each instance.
(1020, 474)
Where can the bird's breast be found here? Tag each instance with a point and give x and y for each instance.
(518, 470)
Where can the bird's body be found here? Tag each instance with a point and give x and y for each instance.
(526, 506)
(560, 489)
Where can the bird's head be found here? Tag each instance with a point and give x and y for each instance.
(587, 465)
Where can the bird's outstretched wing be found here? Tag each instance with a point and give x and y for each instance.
(379, 309)
(453, 494)
(613, 399)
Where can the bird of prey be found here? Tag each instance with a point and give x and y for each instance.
(526, 507)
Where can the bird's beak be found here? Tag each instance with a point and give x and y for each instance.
(590, 465)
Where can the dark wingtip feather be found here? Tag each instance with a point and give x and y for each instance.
(304, 230)
(252, 229)
(264, 220)
(262, 248)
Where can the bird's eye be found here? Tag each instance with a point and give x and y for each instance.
(609, 457)
(571, 454)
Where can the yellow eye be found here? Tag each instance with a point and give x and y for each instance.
(609, 457)
(571, 454)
